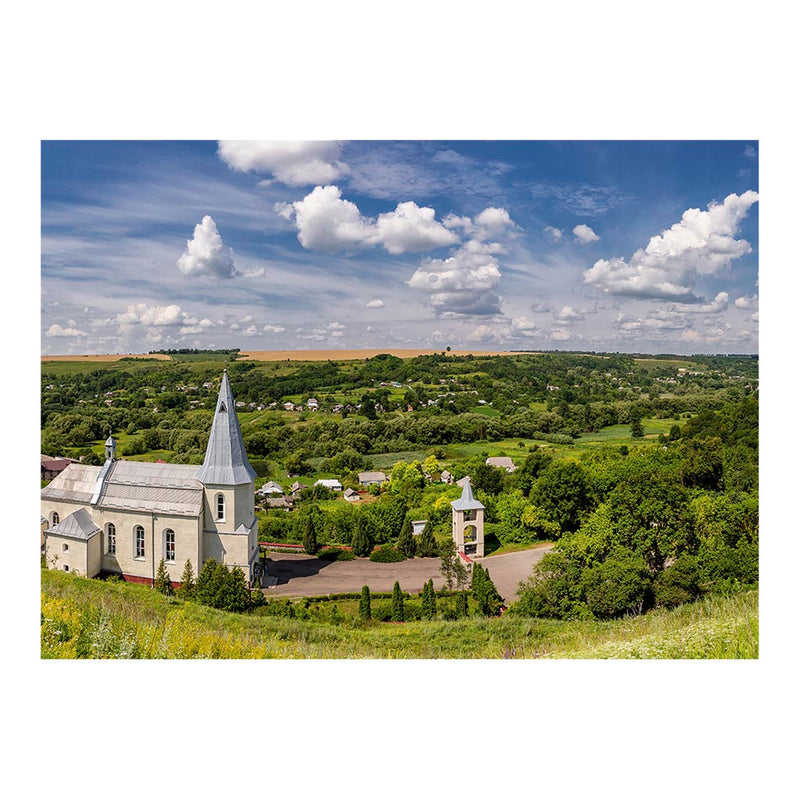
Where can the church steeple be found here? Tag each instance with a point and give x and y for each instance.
(226, 462)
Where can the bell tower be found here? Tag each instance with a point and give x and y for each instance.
(468, 523)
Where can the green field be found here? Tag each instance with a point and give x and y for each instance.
(95, 619)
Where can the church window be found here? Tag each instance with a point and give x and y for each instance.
(65, 548)
(222, 408)
(138, 533)
(169, 545)
(111, 539)
(221, 506)
(66, 567)
(56, 518)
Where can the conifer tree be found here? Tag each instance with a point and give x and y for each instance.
(187, 581)
(204, 588)
(428, 601)
(426, 544)
(310, 537)
(336, 616)
(462, 604)
(362, 540)
(236, 596)
(162, 582)
(485, 593)
(398, 612)
(365, 604)
(405, 542)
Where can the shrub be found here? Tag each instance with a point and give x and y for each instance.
(386, 555)
(426, 546)
(336, 554)
(617, 586)
(678, 583)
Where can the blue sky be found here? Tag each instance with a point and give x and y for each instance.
(575, 245)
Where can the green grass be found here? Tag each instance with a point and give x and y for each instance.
(86, 618)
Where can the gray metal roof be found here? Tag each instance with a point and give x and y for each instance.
(226, 462)
(371, 476)
(75, 483)
(78, 525)
(152, 488)
(467, 500)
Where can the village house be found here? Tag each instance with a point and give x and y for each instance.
(329, 483)
(501, 462)
(126, 516)
(447, 476)
(372, 478)
(54, 466)
(351, 495)
(270, 488)
(296, 488)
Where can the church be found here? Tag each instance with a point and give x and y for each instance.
(125, 516)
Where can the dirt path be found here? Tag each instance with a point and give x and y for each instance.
(306, 576)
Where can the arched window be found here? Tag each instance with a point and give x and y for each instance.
(138, 538)
(221, 506)
(65, 548)
(111, 539)
(169, 545)
(56, 518)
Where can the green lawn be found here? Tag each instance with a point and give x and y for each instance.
(96, 619)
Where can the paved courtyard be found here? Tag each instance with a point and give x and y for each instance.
(294, 575)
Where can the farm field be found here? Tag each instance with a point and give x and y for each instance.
(94, 619)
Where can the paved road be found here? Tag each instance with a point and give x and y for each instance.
(306, 576)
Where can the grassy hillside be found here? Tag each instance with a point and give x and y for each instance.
(91, 619)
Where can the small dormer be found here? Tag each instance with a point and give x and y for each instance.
(111, 449)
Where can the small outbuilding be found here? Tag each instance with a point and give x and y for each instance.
(270, 488)
(351, 495)
(73, 545)
(330, 483)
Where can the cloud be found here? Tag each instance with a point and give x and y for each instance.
(492, 222)
(326, 222)
(702, 243)
(56, 330)
(273, 329)
(746, 302)
(411, 229)
(523, 326)
(582, 199)
(584, 234)
(554, 233)
(541, 307)
(206, 254)
(483, 334)
(560, 334)
(754, 316)
(155, 316)
(750, 152)
(569, 314)
(462, 284)
(292, 163)
(377, 303)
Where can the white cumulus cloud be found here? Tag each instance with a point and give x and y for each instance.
(206, 254)
(274, 329)
(554, 233)
(584, 234)
(702, 243)
(746, 302)
(569, 314)
(155, 316)
(292, 163)
(465, 283)
(57, 331)
(411, 229)
(376, 303)
(328, 223)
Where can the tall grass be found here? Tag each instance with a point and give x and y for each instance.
(90, 619)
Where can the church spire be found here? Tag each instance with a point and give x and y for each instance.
(226, 462)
